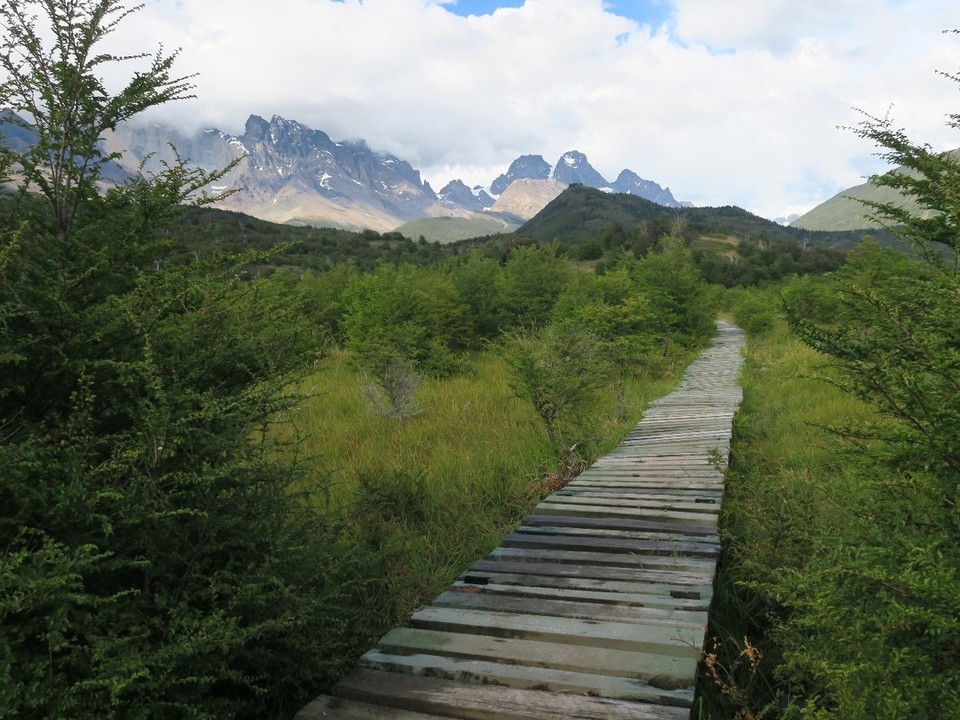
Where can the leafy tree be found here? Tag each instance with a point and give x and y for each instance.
(560, 370)
(614, 308)
(534, 277)
(406, 315)
(881, 607)
(677, 294)
(479, 281)
(152, 561)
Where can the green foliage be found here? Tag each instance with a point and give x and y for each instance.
(405, 315)
(480, 282)
(154, 563)
(893, 340)
(756, 264)
(202, 231)
(533, 280)
(682, 310)
(582, 214)
(754, 310)
(57, 86)
(560, 370)
(845, 542)
(614, 308)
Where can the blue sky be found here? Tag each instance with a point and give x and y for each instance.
(642, 11)
(727, 102)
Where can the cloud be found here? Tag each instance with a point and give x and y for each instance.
(732, 102)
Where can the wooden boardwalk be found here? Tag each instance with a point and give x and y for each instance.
(596, 606)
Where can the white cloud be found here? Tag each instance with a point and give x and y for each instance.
(732, 102)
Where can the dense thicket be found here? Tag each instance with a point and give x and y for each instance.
(201, 231)
(895, 342)
(153, 563)
(841, 565)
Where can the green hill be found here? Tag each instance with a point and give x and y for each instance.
(845, 212)
(581, 214)
(451, 229)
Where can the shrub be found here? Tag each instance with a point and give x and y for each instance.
(153, 562)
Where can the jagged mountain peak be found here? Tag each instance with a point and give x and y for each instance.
(573, 158)
(528, 167)
(456, 195)
(290, 172)
(573, 167)
(629, 182)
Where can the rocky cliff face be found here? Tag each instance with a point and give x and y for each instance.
(289, 172)
(573, 168)
(525, 197)
(532, 167)
(631, 183)
(456, 196)
(285, 171)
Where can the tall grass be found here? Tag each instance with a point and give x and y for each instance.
(418, 500)
(792, 490)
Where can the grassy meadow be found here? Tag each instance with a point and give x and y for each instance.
(439, 489)
(789, 492)
(833, 596)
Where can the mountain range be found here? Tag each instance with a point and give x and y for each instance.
(284, 171)
(290, 173)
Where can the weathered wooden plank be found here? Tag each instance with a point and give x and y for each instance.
(700, 519)
(693, 461)
(684, 564)
(470, 701)
(606, 533)
(711, 507)
(616, 523)
(680, 640)
(525, 677)
(669, 483)
(638, 548)
(607, 596)
(628, 486)
(638, 574)
(668, 591)
(626, 492)
(494, 602)
(665, 672)
(706, 477)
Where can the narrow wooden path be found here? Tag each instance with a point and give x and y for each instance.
(596, 606)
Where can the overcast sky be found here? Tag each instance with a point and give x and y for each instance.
(724, 101)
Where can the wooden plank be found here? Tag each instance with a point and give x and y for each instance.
(665, 672)
(673, 516)
(679, 640)
(556, 569)
(525, 677)
(712, 507)
(470, 701)
(621, 588)
(628, 546)
(708, 478)
(494, 602)
(607, 597)
(703, 566)
(605, 533)
(657, 488)
(619, 523)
